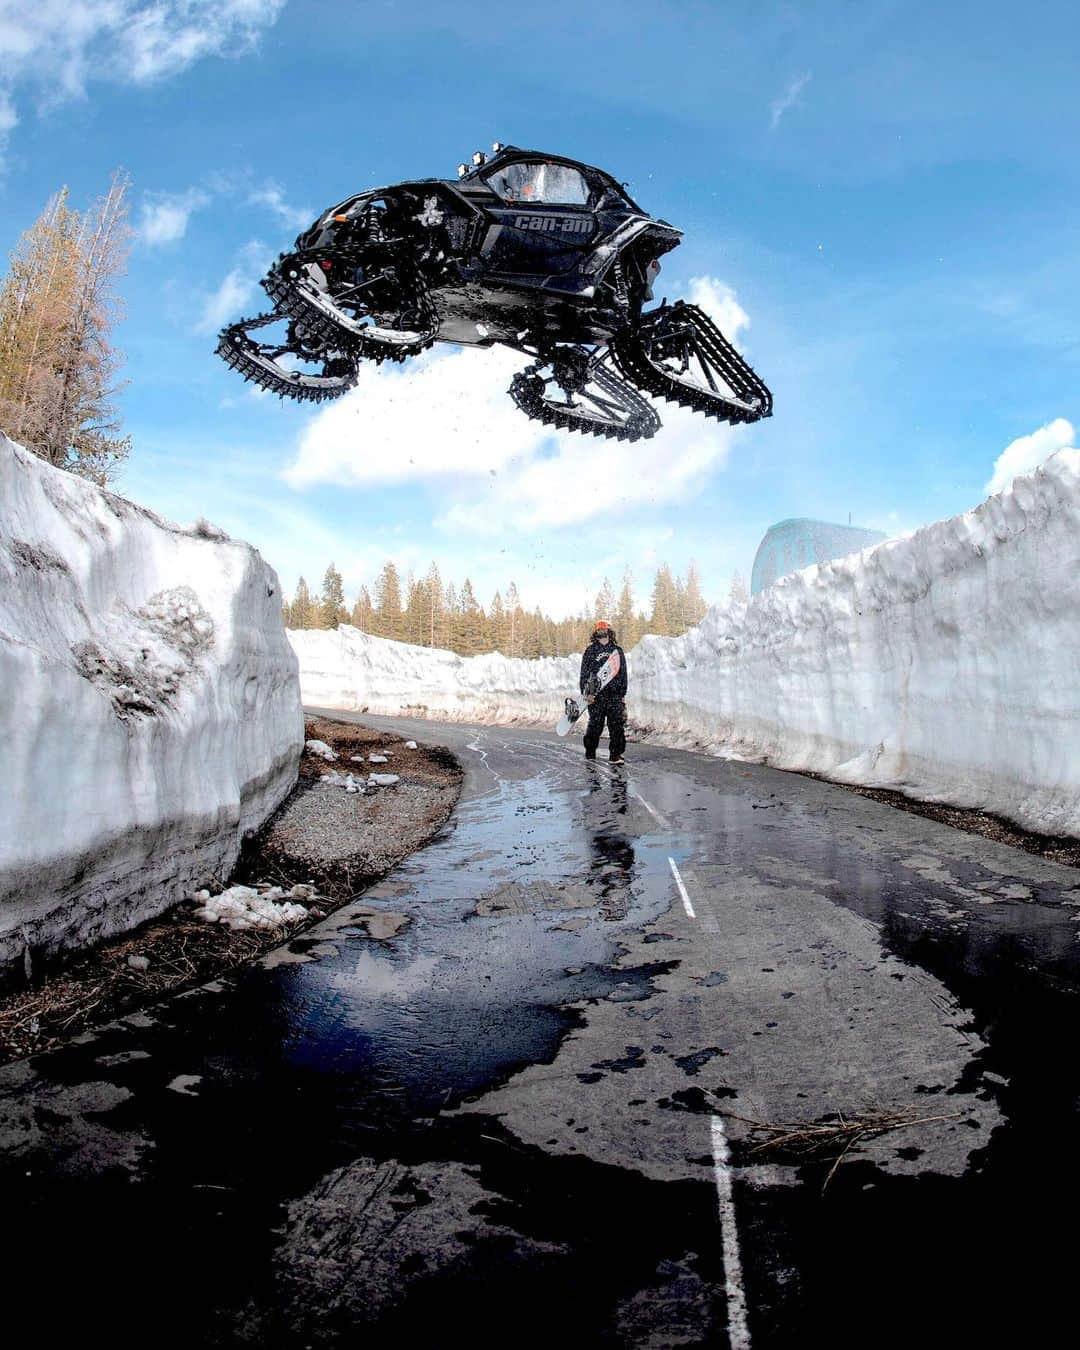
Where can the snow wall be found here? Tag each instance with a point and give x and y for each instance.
(944, 664)
(150, 711)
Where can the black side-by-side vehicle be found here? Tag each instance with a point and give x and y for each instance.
(541, 253)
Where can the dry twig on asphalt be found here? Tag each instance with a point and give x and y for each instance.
(797, 1141)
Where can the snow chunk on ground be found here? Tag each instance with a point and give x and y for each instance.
(352, 784)
(319, 748)
(342, 780)
(243, 907)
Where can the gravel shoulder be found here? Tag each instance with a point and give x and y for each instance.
(322, 836)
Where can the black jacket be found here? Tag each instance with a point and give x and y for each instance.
(593, 658)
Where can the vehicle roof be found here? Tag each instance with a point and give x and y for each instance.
(510, 154)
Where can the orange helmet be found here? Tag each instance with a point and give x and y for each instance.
(602, 626)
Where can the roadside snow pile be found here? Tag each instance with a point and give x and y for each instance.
(344, 668)
(319, 748)
(151, 712)
(242, 907)
(941, 664)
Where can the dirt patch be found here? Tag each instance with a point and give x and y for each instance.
(322, 835)
(342, 841)
(1055, 848)
(535, 897)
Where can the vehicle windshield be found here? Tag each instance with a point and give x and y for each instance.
(540, 182)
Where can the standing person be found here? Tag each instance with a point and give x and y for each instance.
(609, 704)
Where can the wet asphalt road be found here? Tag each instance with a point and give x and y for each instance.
(523, 1120)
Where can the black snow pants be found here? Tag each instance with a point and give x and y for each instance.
(613, 710)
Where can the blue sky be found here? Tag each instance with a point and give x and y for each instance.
(880, 197)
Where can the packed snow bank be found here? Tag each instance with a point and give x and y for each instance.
(150, 715)
(344, 668)
(942, 664)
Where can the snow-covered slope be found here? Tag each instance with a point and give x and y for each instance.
(943, 664)
(149, 707)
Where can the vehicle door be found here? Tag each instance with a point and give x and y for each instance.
(543, 221)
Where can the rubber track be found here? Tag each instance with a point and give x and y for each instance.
(641, 423)
(628, 349)
(290, 298)
(240, 352)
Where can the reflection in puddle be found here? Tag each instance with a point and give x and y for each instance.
(374, 976)
(612, 857)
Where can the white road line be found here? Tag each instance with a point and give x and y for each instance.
(682, 890)
(661, 820)
(474, 745)
(738, 1332)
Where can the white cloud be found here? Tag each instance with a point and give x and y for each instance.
(57, 47)
(587, 478)
(446, 419)
(237, 291)
(226, 302)
(1028, 452)
(789, 98)
(444, 414)
(717, 299)
(165, 37)
(164, 216)
(273, 196)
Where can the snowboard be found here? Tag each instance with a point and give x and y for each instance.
(600, 679)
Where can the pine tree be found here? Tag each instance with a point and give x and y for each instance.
(515, 619)
(435, 603)
(415, 624)
(664, 603)
(679, 622)
(303, 609)
(604, 605)
(625, 624)
(471, 637)
(58, 306)
(533, 638)
(450, 619)
(332, 610)
(82, 435)
(498, 628)
(36, 303)
(388, 602)
(361, 611)
(694, 604)
(737, 592)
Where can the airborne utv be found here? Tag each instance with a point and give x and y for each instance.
(541, 253)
